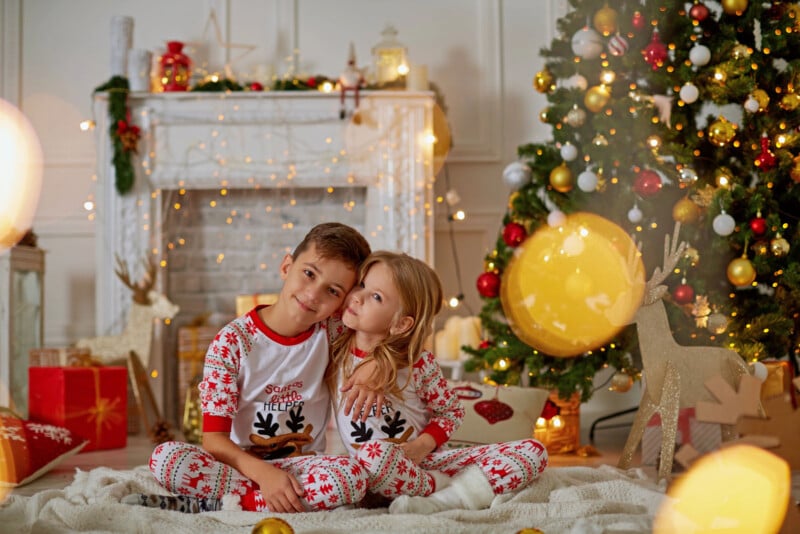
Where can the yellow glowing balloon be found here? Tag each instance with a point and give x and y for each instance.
(571, 288)
(20, 175)
(736, 489)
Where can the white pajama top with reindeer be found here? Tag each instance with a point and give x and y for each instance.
(256, 381)
(427, 405)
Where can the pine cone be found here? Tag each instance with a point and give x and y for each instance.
(161, 433)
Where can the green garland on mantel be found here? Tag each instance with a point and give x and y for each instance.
(117, 88)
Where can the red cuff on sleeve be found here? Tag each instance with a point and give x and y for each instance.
(216, 423)
(439, 435)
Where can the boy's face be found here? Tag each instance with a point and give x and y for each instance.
(314, 287)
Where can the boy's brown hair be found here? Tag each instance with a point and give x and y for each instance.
(338, 241)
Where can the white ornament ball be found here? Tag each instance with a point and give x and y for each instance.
(576, 117)
(569, 152)
(576, 81)
(617, 45)
(587, 181)
(699, 55)
(635, 215)
(587, 43)
(717, 323)
(516, 174)
(689, 93)
(723, 224)
(759, 371)
(556, 218)
(751, 105)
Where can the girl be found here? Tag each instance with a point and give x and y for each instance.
(390, 313)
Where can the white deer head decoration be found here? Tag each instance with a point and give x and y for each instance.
(674, 375)
(148, 305)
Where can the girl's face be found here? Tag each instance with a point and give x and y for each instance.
(373, 308)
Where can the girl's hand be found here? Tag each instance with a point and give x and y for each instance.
(360, 399)
(281, 491)
(418, 448)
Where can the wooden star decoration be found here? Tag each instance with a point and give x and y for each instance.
(213, 22)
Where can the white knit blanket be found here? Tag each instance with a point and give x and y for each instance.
(582, 500)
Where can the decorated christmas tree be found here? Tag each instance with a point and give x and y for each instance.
(665, 111)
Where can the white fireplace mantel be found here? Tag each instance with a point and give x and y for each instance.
(247, 140)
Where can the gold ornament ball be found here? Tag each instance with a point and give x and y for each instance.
(692, 255)
(794, 172)
(621, 382)
(596, 98)
(741, 51)
(605, 20)
(721, 132)
(790, 101)
(543, 115)
(685, 211)
(761, 97)
(779, 246)
(734, 7)
(272, 525)
(741, 272)
(561, 178)
(575, 117)
(543, 81)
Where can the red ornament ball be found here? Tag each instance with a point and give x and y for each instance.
(758, 225)
(647, 183)
(699, 12)
(637, 21)
(514, 234)
(488, 284)
(655, 53)
(683, 294)
(485, 344)
(255, 86)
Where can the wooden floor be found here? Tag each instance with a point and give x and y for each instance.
(608, 444)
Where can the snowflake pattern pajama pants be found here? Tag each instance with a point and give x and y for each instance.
(507, 466)
(328, 481)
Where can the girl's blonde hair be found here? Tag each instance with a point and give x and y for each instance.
(421, 298)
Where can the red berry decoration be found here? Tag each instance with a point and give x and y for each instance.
(494, 410)
(255, 86)
(514, 234)
(647, 183)
(758, 225)
(550, 410)
(683, 294)
(485, 344)
(637, 21)
(655, 53)
(699, 12)
(488, 285)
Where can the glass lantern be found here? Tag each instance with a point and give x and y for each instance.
(175, 68)
(389, 57)
(21, 321)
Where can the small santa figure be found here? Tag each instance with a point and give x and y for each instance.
(352, 79)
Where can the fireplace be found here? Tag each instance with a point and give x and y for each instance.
(226, 184)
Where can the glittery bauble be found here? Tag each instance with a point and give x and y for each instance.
(587, 43)
(741, 51)
(683, 294)
(543, 82)
(647, 183)
(514, 234)
(685, 211)
(761, 97)
(790, 101)
(717, 323)
(637, 21)
(561, 178)
(571, 288)
(596, 98)
(599, 140)
(699, 12)
(721, 132)
(605, 20)
(576, 117)
(488, 284)
(617, 45)
(779, 246)
(621, 382)
(655, 53)
(516, 174)
(272, 525)
(741, 272)
(734, 7)
(758, 225)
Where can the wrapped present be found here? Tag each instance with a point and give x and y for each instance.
(245, 303)
(57, 356)
(193, 341)
(779, 379)
(704, 437)
(92, 402)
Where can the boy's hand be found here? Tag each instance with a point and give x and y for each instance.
(360, 399)
(281, 491)
(418, 448)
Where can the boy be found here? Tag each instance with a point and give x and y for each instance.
(264, 401)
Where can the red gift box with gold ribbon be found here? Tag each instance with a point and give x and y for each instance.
(91, 401)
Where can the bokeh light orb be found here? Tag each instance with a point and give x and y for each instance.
(20, 175)
(571, 288)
